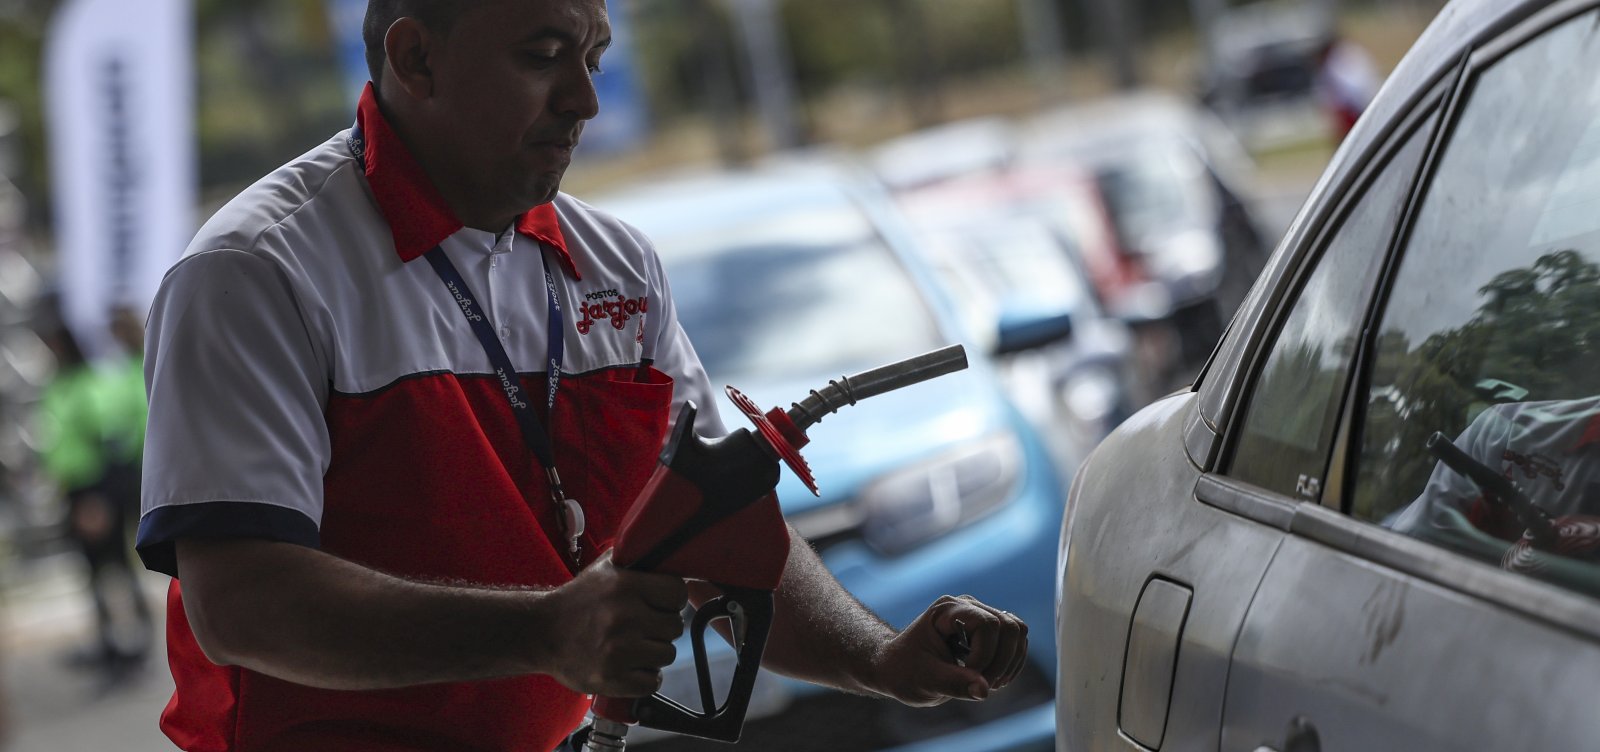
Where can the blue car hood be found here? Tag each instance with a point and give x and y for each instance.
(860, 443)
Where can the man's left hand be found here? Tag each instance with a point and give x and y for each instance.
(918, 668)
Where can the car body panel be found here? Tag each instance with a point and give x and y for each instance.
(1125, 529)
(1342, 635)
(1504, 657)
(1376, 631)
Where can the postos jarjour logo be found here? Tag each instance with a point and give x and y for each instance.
(611, 306)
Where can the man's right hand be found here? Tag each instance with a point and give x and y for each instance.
(610, 630)
(301, 615)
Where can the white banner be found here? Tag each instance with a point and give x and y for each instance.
(119, 84)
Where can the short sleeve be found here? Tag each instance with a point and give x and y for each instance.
(669, 348)
(1442, 507)
(236, 445)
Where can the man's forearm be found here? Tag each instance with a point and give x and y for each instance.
(317, 620)
(820, 632)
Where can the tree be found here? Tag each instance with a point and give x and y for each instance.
(1536, 328)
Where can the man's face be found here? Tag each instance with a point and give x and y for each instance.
(513, 90)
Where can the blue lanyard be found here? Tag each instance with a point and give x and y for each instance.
(533, 432)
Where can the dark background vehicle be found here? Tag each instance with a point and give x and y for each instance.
(1261, 64)
(1010, 245)
(1241, 564)
(1264, 53)
(1175, 184)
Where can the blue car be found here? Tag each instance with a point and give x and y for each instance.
(787, 276)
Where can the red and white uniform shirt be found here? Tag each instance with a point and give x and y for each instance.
(311, 380)
(1550, 449)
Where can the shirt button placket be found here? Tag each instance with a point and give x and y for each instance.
(500, 249)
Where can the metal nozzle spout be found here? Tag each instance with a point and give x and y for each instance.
(848, 390)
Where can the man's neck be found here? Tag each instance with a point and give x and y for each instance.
(438, 166)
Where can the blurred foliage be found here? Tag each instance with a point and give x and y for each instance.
(1536, 328)
(22, 24)
(267, 89)
(269, 86)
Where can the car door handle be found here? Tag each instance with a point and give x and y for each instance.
(1301, 736)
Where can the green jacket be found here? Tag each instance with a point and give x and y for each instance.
(89, 418)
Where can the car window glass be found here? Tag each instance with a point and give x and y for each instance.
(1488, 339)
(1288, 427)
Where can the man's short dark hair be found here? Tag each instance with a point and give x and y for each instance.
(437, 15)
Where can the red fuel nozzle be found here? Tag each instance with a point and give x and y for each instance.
(785, 432)
(709, 513)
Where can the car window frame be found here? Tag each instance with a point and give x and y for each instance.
(1478, 60)
(1422, 121)
(1277, 296)
(1413, 82)
(1229, 376)
(1332, 525)
(1267, 506)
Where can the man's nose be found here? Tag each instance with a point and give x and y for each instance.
(576, 97)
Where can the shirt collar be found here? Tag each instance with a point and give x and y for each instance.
(417, 214)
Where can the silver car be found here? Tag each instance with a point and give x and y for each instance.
(1371, 524)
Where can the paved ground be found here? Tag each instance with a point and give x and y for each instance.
(52, 708)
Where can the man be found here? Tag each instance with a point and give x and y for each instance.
(1548, 449)
(1346, 82)
(373, 550)
(82, 430)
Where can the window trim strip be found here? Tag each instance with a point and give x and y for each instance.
(1540, 601)
(1248, 501)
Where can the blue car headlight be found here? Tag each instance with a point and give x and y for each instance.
(913, 505)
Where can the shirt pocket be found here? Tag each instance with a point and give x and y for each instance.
(619, 422)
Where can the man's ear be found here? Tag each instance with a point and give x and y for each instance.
(407, 49)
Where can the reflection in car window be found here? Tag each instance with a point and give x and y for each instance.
(1289, 423)
(814, 289)
(1491, 332)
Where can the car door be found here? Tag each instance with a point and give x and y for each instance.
(1162, 559)
(1415, 608)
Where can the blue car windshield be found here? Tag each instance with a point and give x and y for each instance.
(812, 291)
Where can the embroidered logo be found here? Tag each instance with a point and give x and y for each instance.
(1533, 466)
(610, 306)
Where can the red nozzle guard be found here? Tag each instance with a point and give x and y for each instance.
(782, 435)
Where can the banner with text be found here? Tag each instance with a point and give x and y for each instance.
(119, 83)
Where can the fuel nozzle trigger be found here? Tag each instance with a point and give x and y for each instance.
(749, 613)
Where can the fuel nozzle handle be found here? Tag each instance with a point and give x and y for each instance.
(848, 390)
(1540, 528)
